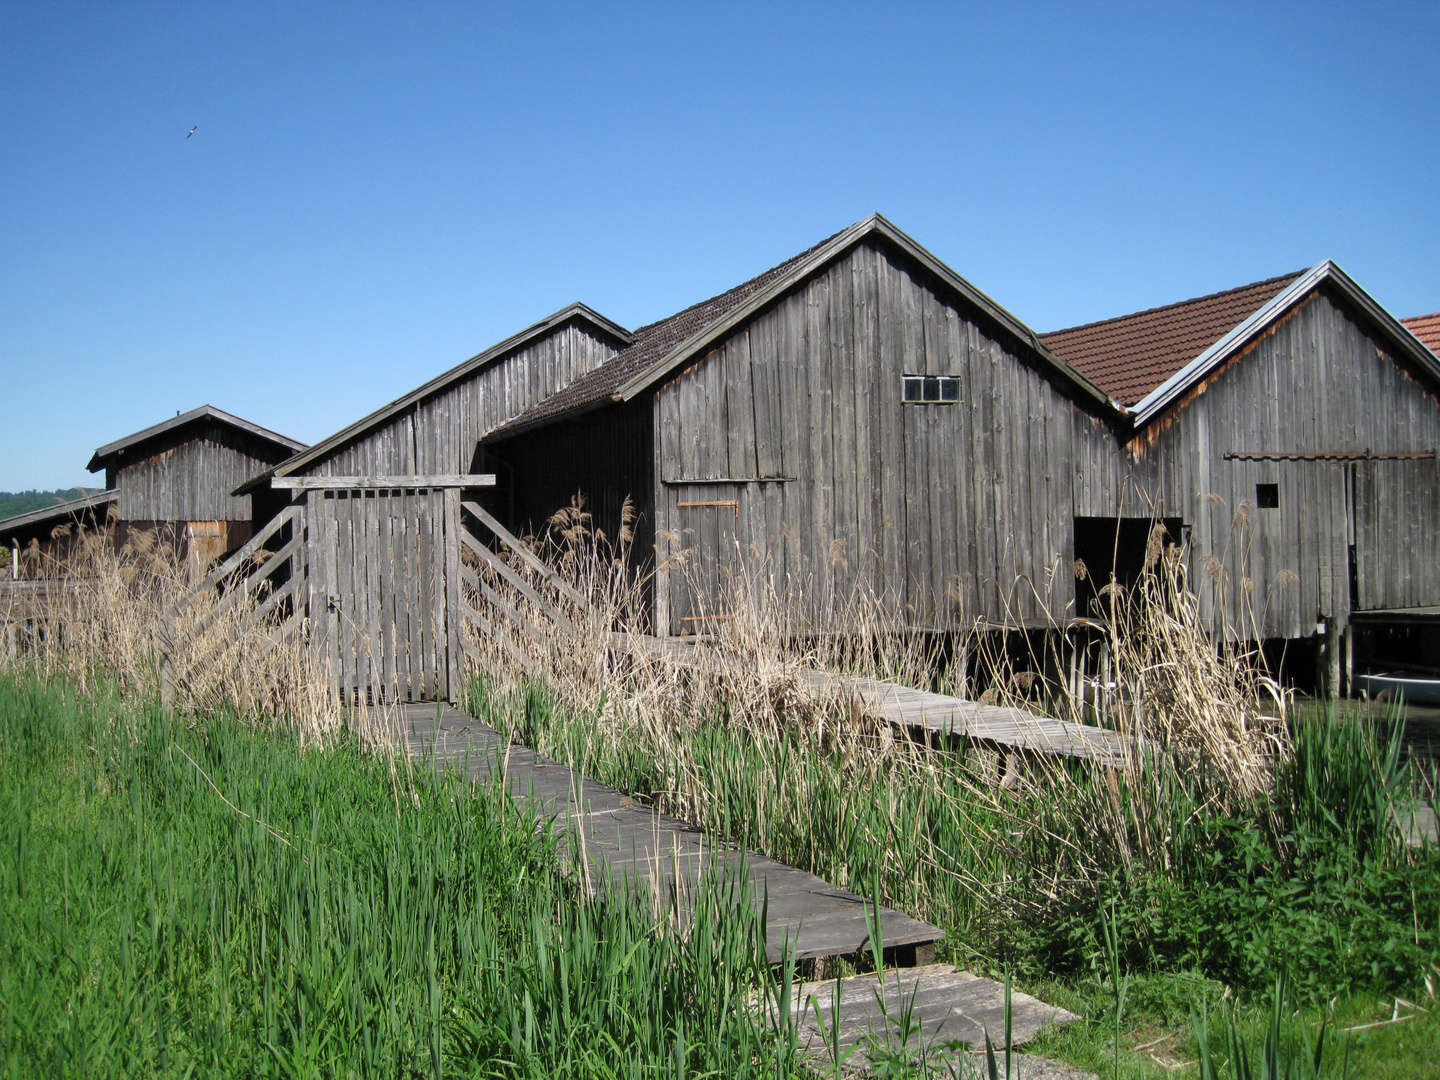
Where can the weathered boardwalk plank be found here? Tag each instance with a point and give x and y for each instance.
(1001, 725)
(631, 846)
(623, 842)
(948, 1005)
(908, 707)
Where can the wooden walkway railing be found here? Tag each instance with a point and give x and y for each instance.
(273, 581)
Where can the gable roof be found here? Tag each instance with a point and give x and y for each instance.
(1179, 327)
(59, 510)
(661, 347)
(1326, 273)
(205, 412)
(1427, 329)
(573, 312)
(1130, 356)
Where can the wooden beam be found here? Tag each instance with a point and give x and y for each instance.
(494, 600)
(252, 545)
(507, 572)
(350, 483)
(526, 555)
(483, 625)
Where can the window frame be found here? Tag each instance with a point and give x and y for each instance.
(918, 389)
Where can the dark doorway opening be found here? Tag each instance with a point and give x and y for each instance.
(1113, 549)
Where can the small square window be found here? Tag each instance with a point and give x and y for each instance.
(1267, 496)
(932, 389)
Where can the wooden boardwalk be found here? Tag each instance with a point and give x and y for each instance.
(994, 724)
(621, 841)
(905, 706)
(948, 1005)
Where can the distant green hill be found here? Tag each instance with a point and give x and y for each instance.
(22, 502)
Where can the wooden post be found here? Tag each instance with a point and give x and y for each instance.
(1331, 651)
(456, 666)
(1350, 661)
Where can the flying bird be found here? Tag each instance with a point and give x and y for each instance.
(192, 131)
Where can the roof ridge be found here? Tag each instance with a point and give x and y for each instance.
(1176, 304)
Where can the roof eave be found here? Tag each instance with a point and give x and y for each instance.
(65, 509)
(109, 450)
(502, 433)
(1150, 406)
(873, 225)
(444, 379)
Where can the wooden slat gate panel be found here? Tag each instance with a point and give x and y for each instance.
(384, 574)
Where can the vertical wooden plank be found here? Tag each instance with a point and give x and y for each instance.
(886, 410)
(424, 606)
(319, 559)
(386, 579)
(765, 393)
(740, 430)
(660, 501)
(841, 395)
(346, 610)
(864, 406)
(454, 666)
(816, 360)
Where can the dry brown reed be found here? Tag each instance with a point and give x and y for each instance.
(126, 612)
(1209, 716)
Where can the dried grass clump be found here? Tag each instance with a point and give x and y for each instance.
(735, 730)
(1215, 710)
(128, 614)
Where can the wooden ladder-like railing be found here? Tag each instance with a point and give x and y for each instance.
(529, 613)
(251, 571)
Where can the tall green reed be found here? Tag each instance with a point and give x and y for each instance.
(177, 900)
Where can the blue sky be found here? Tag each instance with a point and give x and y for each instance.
(376, 192)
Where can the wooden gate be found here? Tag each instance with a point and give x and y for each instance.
(382, 575)
(383, 563)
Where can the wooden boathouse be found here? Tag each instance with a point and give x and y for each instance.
(861, 419)
(175, 476)
(1289, 429)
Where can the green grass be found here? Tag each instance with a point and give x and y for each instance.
(208, 900)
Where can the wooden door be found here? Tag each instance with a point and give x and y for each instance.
(701, 588)
(1396, 506)
(384, 566)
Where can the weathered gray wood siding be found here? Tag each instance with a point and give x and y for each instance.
(606, 456)
(188, 474)
(439, 434)
(1319, 381)
(947, 512)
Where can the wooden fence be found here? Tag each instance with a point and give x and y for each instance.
(379, 576)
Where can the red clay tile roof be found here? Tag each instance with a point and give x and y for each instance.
(651, 343)
(1131, 355)
(1427, 329)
